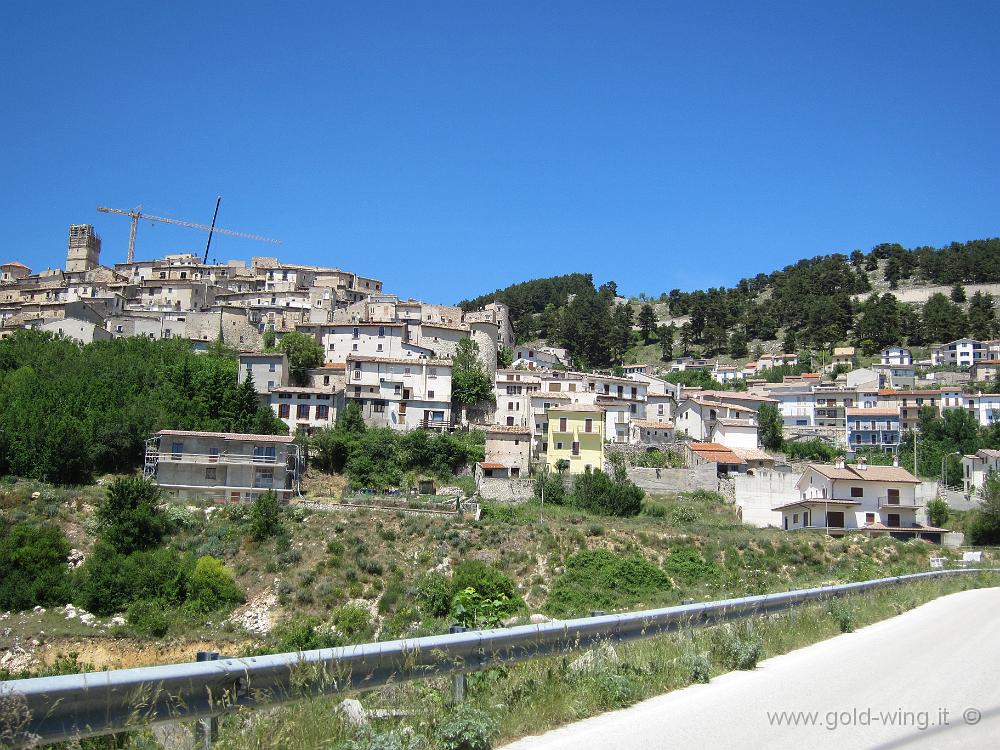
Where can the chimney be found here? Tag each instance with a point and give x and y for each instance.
(839, 463)
(895, 461)
(862, 464)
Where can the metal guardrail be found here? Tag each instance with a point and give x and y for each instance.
(96, 703)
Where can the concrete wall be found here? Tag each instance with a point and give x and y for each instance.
(756, 495)
(676, 480)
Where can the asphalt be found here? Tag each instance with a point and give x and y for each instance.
(925, 679)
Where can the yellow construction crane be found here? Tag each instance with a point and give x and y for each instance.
(136, 213)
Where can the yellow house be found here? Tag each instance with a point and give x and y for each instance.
(576, 434)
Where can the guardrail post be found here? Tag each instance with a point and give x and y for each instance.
(458, 680)
(206, 731)
(597, 613)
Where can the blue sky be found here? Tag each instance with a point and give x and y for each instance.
(452, 148)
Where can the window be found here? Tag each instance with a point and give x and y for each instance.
(302, 411)
(381, 332)
(510, 421)
(892, 519)
(357, 333)
(857, 491)
(263, 478)
(869, 518)
(264, 454)
(795, 518)
(576, 448)
(210, 473)
(562, 424)
(892, 497)
(588, 425)
(379, 347)
(322, 411)
(559, 446)
(378, 407)
(283, 410)
(272, 367)
(176, 449)
(430, 394)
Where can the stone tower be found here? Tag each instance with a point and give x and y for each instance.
(84, 252)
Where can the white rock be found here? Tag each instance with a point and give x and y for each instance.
(39, 610)
(117, 620)
(538, 619)
(603, 656)
(353, 712)
(35, 495)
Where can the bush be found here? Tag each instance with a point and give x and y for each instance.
(555, 490)
(595, 492)
(600, 579)
(488, 582)
(468, 729)
(109, 581)
(736, 651)
(685, 564)
(473, 610)
(128, 516)
(148, 617)
(684, 514)
(699, 667)
(300, 634)
(843, 615)
(33, 561)
(211, 586)
(433, 594)
(265, 517)
(353, 623)
(502, 512)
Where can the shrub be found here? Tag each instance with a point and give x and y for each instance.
(843, 615)
(33, 561)
(265, 517)
(211, 586)
(595, 492)
(684, 514)
(488, 582)
(502, 512)
(391, 597)
(433, 594)
(148, 617)
(653, 510)
(353, 623)
(468, 729)
(109, 581)
(300, 634)
(736, 651)
(473, 610)
(612, 690)
(685, 564)
(699, 667)
(128, 516)
(555, 490)
(600, 579)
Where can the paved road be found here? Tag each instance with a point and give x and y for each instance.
(925, 668)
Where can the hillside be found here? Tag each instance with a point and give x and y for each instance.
(334, 576)
(889, 295)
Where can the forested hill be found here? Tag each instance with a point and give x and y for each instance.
(811, 303)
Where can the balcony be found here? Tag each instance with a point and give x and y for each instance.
(895, 502)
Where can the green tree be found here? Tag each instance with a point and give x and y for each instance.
(303, 353)
(265, 516)
(212, 586)
(268, 339)
(351, 418)
(738, 344)
(469, 382)
(375, 463)
(667, 342)
(790, 344)
(505, 357)
(942, 319)
(647, 322)
(938, 512)
(128, 516)
(984, 528)
(958, 294)
(982, 316)
(33, 561)
(770, 427)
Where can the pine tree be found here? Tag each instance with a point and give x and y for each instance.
(647, 322)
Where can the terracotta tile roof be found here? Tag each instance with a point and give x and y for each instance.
(550, 395)
(579, 408)
(715, 452)
(228, 436)
(487, 465)
(725, 422)
(883, 527)
(752, 454)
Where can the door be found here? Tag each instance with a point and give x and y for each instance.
(892, 519)
(835, 519)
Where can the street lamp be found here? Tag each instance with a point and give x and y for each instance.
(944, 467)
(545, 476)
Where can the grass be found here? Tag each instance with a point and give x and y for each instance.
(535, 696)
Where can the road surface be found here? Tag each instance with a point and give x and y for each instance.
(929, 678)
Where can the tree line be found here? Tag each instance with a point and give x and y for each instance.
(69, 411)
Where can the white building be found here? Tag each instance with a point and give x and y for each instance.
(401, 393)
(897, 355)
(269, 370)
(304, 409)
(873, 500)
(977, 466)
(961, 353)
